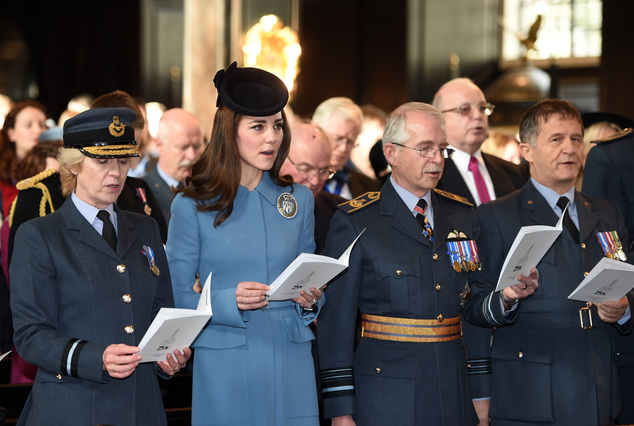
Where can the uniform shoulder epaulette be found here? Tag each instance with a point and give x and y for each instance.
(454, 197)
(614, 137)
(33, 180)
(360, 202)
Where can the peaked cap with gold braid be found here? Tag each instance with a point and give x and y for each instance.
(102, 133)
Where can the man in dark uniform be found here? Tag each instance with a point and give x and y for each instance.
(410, 274)
(556, 364)
(609, 174)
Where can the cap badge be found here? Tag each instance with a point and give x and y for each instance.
(117, 129)
(286, 205)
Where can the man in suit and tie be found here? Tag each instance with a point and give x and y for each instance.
(341, 119)
(558, 358)
(179, 141)
(470, 173)
(407, 282)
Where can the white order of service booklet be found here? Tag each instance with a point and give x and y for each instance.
(610, 279)
(530, 245)
(306, 271)
(175, 328)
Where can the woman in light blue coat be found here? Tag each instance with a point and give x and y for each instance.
(238, 218)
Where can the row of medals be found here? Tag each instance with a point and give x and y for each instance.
(619, 254)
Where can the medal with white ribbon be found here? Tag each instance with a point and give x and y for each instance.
(140, 192)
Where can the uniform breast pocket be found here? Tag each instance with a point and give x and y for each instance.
(519, 359)
(546, 267)
(398, 277)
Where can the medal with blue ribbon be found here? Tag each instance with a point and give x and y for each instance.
(611, 245)
(454, 254)
(149, 254)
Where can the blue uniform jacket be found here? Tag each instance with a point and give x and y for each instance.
(72, 296)
(546, 369)
(608, 174)
(395, 271)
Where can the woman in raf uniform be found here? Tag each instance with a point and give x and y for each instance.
(240, 219)
(82, 301)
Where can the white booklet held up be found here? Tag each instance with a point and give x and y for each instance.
(306, 271)
(610, 279)
(530, 245)
(175, 328)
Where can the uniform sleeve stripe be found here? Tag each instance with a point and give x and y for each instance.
(75, 358)
(65, 364)
(486, 309)
(337, 382)
(71, 351)
(479, 366)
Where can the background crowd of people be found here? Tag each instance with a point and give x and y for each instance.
(439, 197)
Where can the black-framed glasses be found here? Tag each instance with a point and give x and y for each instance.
(429, 151)
(309, 172)
(467, 109)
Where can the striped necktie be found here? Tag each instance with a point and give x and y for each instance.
(421, 209)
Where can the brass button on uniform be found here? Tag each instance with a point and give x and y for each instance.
(59, 377)
(378, 370)
(126, 298)
(520, 354)
(583, 246)
(399, 272)
(121, 269)
(129, 329)
(585, 274)
(441, 318)
(438, 287)
(435, 256)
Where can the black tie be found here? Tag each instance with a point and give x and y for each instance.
(108, 229)
(421, 209)
(568, 223)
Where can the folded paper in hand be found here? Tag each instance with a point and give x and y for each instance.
(306, 271)
(530, 245)
(174, 328)
(610, 279)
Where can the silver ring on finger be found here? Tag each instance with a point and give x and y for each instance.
(525, 286)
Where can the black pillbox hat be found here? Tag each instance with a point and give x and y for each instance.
(250, 91)
(102, 133)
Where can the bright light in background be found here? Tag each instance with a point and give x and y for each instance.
(271, 46)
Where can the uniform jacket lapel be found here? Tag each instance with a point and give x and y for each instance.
(588, 217)
(403, 219)
(83, 231)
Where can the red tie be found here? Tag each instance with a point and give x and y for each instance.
(483, 192)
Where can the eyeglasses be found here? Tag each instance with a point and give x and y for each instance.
(309, 172)
(467, 109)
(429, 151)
(339, 140)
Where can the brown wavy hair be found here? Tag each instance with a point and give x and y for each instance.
(7, 147)
(216, 175)
(35, 160)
